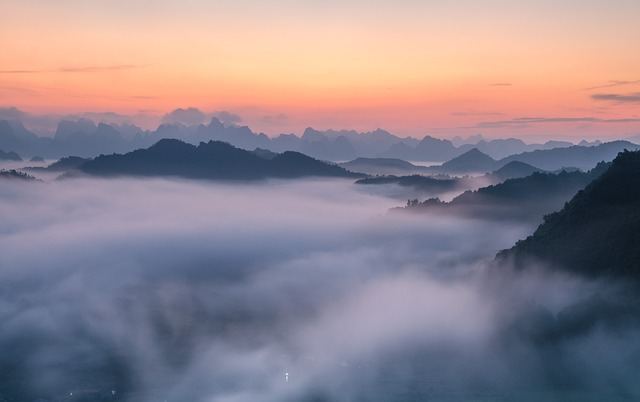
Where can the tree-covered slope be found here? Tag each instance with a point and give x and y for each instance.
(597, 233)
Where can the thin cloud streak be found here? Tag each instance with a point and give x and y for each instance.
(614, 83)
(471, 113)
(521, 122)
(629, 98)
(83, 69)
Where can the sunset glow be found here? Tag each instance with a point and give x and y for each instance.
(411, 67)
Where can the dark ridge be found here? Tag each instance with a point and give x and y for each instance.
(597, 233)
(69, 162)
(417, 181)
(528, 197)
(211, 160)
(15, 175)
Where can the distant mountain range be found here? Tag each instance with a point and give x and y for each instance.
(211, 160)
(475, 162)
(597, 233)
(85, 138)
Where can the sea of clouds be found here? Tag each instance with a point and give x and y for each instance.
(175, 290)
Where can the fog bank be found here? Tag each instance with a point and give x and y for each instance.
(282, 290)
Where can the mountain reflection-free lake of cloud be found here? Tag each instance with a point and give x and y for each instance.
(276, 291)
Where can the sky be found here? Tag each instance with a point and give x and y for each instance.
(529, 69)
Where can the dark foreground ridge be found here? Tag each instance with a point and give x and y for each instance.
(597, 233)
(211, 160)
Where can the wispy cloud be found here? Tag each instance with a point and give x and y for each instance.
(226, 117)
(189, 116)
(278, 118)
(98, 69)
(622, 98)
(614, 83)
(521, 122)
(78, 69)
(476, 113)
(500, 84)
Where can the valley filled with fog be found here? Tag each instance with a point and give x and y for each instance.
(278, 290)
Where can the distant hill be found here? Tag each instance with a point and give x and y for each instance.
(597, 233)
(472, 161)
(513, 170)
(61, 165)
(526, 198)
(583, 157)
(382, 166)
(211, 160)
(69, 162)
(9, 156)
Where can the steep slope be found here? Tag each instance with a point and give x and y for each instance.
(597, 233)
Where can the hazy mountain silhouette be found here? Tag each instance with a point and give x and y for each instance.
(429, 149)
(435, 150)
(513, 170)
(211, 160)
(66, 128)
(597, 233)
(9, 156)
(399, 150)
(472, 161)
(581, 157)
(15, 138)
(383, 166)
(498, 148)
(85, 138)
(316, 144)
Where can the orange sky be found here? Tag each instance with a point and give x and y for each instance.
(411, 67)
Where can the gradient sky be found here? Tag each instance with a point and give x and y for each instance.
(530, 69)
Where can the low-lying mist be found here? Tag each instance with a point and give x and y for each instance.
(283, 290)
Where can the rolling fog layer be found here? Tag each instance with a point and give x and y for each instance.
(284, 290)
